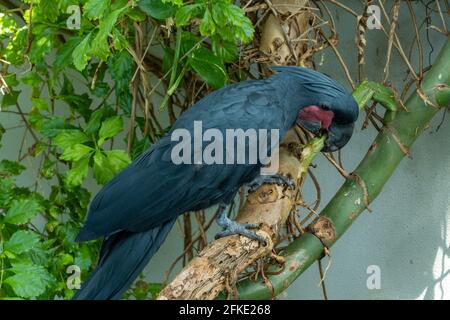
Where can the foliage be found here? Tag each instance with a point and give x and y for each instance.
(72, 90)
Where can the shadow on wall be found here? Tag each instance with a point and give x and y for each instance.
(420, 259)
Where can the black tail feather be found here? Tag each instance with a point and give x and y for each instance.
(123, 257)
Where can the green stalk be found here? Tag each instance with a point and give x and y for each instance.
(389, 148)
(174, 81)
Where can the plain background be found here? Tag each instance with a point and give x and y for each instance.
(407, 234)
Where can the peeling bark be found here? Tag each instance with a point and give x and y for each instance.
(283, 31)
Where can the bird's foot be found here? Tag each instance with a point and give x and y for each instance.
(276, 179)
(242, 229)
(231, 227)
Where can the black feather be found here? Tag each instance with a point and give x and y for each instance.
(137, 208)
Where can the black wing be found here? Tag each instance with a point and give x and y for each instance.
(153, 190)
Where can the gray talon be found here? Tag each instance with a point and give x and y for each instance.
(242, 229)
(276, 179)
(232, 227)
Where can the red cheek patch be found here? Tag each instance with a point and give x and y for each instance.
(317, 114)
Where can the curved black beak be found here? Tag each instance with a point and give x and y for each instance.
(312, 126)
(338, 136)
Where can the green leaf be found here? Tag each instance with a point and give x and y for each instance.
(245, 30)
(232, 21)
(6, 191)
(32, 79)
(136, 14)
(178, 3)
(107, 164)
(139, 147)
(48, 9)
(154, 289)
(95, 9)
(208, 66)
(10, 168)
(43, 43)
(78, 173)
(69, 138)
(143, 290)
(16, 47)
(167, 61)
(11, 80)
(100, 46)
(10, 99)
(82, 53)
(40, 255)
(76, 152)
(109, 21)
(103, 172)
(67, 87)
(64, 259)
(117, 159)
(22, 211)
(157, 8)
(96, 118)
(100, 89)
(36, 119)
(84, 258)
(79, 103)
(207, 26)
(119, 40)
(53, 126)
(121, 67)
(185, 13)
(22, 241)
(189, 41)
(40, 103)
(7, 24)
(29, 280)
(227, 51)
(110, 127)
(64, 56)
(219, 15)
(47, 169)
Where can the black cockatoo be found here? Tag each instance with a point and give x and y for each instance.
(136, 210)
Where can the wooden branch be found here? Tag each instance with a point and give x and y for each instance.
(218, 266)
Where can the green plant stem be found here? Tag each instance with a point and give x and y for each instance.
(363, 186)
(174, 81)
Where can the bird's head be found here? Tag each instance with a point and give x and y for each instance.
(331, 108)
(336, 117)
